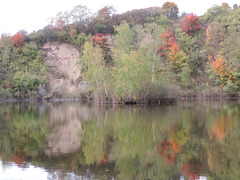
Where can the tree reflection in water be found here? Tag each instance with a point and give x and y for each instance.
(73, 140)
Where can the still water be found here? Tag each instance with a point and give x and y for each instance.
(188, 140)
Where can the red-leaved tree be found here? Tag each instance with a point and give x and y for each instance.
(169, 42)
(191, 24)
(171, 50)
(101, 41)
(17, 40)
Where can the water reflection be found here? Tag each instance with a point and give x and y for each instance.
(66, 124)
(191, 140)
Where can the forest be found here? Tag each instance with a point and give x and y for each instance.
(143, 55)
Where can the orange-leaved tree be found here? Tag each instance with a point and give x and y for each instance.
(178, 59)
(191, 24)
(225, 5)
(223, 69)
(171, 10)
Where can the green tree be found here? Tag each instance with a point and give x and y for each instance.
(28, 70)
(185, 77)
(131, 71)
(101, 22)
(126, 74)
(5, 57)
(30, 60)
(216, 12)
(192, 47)
(231, 43)
(93, 67)
(123, 40)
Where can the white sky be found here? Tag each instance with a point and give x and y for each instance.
(33, 15)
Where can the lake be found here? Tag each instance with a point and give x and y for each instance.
(77, 140)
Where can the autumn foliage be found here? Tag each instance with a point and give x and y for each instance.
(17, 40)
(221, 127)
(218, 132)
(221, 68)
(190, 24)
(19, 158)
(72, 32)
(169, 5)
(169, 149)
(176, 58)
(165, 149)
(101, 41)
(171, 9)
(192, 169)
(169, 43)
(225, 5)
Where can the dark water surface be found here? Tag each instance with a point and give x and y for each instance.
(189, 140)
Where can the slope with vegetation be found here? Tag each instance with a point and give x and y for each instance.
(141, 55)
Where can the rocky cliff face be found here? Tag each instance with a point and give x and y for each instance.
(63, 74)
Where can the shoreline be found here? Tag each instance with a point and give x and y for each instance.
(160, 101)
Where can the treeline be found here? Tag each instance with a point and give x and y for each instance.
(73, 26)
(188, 56)
(141, 55)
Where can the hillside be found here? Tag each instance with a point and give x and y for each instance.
(142, 55)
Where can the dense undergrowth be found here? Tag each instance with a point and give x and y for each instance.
(141, 55)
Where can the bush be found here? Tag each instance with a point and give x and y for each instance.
(231, 88)
(162, 90)
(5, 93)
(25, 84)
(38, 38)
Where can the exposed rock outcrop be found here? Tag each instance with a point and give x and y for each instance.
(63, 73)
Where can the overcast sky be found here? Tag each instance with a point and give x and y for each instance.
(32, 15)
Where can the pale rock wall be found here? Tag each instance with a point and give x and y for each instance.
(63, 71)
